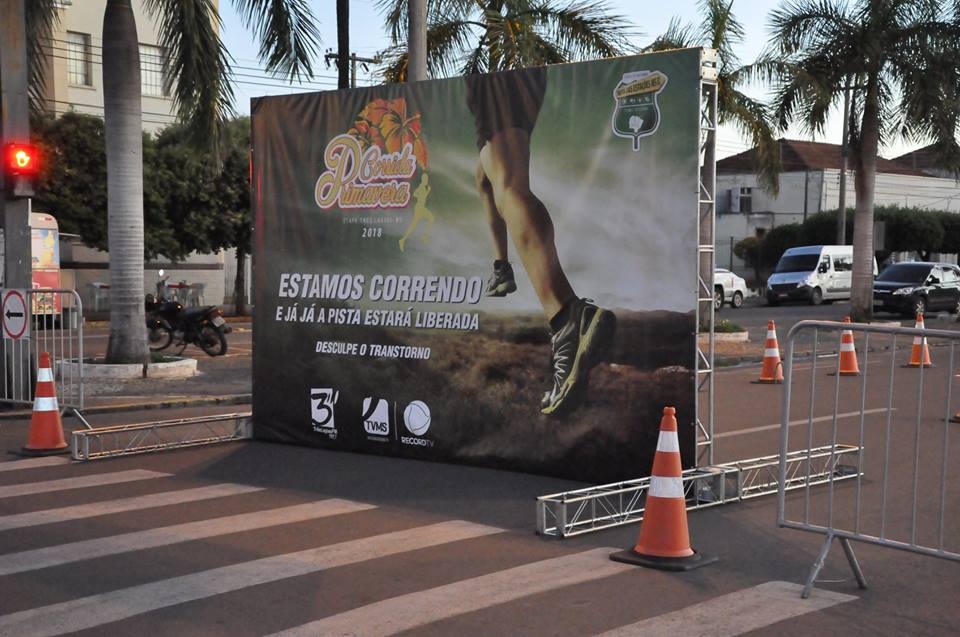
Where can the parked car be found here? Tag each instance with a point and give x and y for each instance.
(728, 288)
(915, 287)
(815, 274)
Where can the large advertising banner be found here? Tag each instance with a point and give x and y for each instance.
(496, 270)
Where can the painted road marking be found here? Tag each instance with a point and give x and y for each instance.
(80, 482)
(122, 505)
(96, 610)
(166, 535)
(735, 613)
(416, 609)
(802, 421)
(30, 463)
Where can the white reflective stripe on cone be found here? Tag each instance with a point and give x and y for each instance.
(661, 487)
(918, 340)
(767, 353)
(45, 403)
(668, 441)
(847, 347)
(771, 334)
(44, 375)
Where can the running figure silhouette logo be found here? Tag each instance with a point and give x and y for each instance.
(420, 213)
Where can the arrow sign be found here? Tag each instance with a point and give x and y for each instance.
(14, 313)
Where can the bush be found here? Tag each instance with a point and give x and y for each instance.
(726, 326)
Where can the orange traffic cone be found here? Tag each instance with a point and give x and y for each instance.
(664, 541)
(848, 353)
(920, 353)
(46, 431)
(772, 370)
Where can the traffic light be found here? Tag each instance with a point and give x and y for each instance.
(21, 164)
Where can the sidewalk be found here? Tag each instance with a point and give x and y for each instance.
(219, 380)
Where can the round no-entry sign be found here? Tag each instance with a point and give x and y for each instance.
(14, 310)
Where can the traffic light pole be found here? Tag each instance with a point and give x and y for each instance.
(15, 127)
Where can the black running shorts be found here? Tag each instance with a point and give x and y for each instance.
(508, 99)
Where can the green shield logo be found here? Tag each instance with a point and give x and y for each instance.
(637, 112)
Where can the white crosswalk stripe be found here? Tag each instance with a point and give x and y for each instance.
(80, 482)
(163, 536)
(96, 610)
(31, 463)
(122, 505)
(423, 607)
(735, 613)
(727, 615)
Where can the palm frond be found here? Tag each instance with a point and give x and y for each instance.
(196, 64)
(584, 30)
(804, 25)
(41, 16)
(677, 36)
(752, 119)
(720, 30)
(287, 32)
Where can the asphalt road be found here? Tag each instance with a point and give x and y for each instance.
(254, 538)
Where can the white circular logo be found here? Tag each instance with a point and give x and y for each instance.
(416, 417)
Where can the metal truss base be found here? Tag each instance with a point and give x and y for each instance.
(125, 440)
(605, 506)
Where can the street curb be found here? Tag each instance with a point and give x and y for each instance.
(200, 401)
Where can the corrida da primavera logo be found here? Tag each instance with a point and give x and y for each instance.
(373, 164)
(637, 113)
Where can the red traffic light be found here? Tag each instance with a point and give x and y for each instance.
(20, 160)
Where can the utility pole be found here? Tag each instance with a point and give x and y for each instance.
(15, 127)
(417, 45)
(352, 69)
(844, 150)
(343, 41)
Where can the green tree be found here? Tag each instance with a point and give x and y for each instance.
(196, 70)
(899, 59)
(208, 211)
(910, 230)
(720, 30)
(73, 188)
(481, 36)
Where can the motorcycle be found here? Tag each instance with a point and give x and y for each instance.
(168, 323)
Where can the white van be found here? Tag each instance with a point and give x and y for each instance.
(813, 273)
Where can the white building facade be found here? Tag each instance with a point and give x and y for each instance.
(745, 209)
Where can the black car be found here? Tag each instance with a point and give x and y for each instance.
(917, 287)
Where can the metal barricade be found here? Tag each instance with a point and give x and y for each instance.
(900, 419)
(53, 324)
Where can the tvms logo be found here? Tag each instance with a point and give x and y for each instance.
(416, 418)
(376, 418)
(322, 401)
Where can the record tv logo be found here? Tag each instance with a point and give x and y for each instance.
(416, 418)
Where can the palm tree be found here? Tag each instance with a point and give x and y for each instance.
(480, 36)
(196, 70)
(721, 31)
(899, 59)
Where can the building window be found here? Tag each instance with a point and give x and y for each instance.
(746, 200)
(151, 71)
(78, 59)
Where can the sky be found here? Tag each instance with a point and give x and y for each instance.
(646, 18)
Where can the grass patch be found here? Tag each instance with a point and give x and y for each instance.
(726, 326)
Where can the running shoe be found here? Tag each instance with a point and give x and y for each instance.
(501, 282)
(577, 347)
